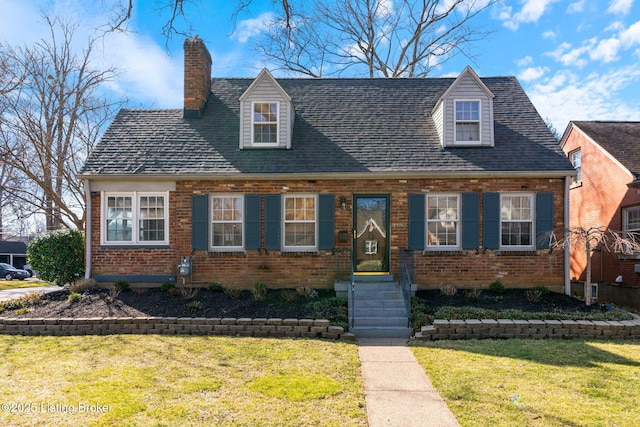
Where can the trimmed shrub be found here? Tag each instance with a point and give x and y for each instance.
(58, 256)
(497, 287)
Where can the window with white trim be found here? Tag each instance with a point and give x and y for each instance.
(576, 160)
(135, 218)
(517, 221)
(467, 121)
(443, 221)
(265, 122)
(227, 222)
(300, 222)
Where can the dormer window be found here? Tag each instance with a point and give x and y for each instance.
(467, 116)
(265, 123)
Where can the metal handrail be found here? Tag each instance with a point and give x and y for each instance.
(406, 279)
(351, 302)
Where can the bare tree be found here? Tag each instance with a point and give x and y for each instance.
(122, 11)
(50, 122)
(403, 38)
(595, 238)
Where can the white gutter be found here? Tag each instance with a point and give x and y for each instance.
(87, 229)
(567, 225)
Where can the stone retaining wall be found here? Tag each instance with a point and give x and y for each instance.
(275, 327)
(536, 329)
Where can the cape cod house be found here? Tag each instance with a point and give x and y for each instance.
(606, 193)
(296, 182)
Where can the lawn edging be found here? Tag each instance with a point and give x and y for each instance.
(535, 329)
(258, 327)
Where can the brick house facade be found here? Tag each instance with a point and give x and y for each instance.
(606, 193)
(272, 179)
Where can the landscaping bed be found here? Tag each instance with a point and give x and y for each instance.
(205, 303)
(515, 304)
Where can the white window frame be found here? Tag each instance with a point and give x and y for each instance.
(254, 123)
(135, 218)
(370, 247)
(294, 248)
(532, 246)
(457, 221)
(576, 180)
(212, 221)
(456, 121)
(625, 219)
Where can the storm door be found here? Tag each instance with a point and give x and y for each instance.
(371, 233)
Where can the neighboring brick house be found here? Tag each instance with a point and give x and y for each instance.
(278, 180)
(606, 192)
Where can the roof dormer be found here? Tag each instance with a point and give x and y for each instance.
(266, 114)
(464, 114)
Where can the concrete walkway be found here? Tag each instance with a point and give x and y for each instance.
(14, 293)
(397, 390)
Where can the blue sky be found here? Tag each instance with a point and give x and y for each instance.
(576, 59)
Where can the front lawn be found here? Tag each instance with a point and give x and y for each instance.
(16, 284)
(541, 383)
(156, 380)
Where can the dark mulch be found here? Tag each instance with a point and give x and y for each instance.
(206, 303)
(510, 299)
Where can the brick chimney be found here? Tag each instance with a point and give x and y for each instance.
(197, 77)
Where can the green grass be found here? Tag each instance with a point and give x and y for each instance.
(151, 380)
(536, 382)
(16, 284)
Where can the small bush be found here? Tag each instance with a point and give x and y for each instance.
(288, 295)
(83, 285)
(195, 305)
(496, 287)
(23, 310)
(533, 295)
(188, 293)
(542, 289)
(259, 291)
(473, 294)
(167, 286)
(121, 284)
(26, 300)
(215, 287)
(448, 290)
(233, 293)
(74, 297)
(307, 292)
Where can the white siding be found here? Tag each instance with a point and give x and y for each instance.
(437, 120)
(264, 91)
(467, 88)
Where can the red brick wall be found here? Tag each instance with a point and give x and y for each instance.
(464, 268)
(599, 202)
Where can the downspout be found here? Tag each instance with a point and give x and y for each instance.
(87, 228)
(567, 254)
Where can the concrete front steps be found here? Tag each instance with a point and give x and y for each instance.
(378, 308)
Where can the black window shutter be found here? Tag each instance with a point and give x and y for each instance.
(544, 218)
(326, 215)
(252, 221)
(491, 220)
(200, 222)
(416, 221)
(470, 220)
(272, 214)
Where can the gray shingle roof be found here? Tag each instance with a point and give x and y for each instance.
(620, 139)
(341, 125)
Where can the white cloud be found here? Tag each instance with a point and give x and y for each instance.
(576, 7)
(523, 62)
(631, 35)
(549, 35)
(251, 27)
(531, 12)
(606, 50)
(566, 96)
(569, 57)
(532, 73)
(620, 6)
